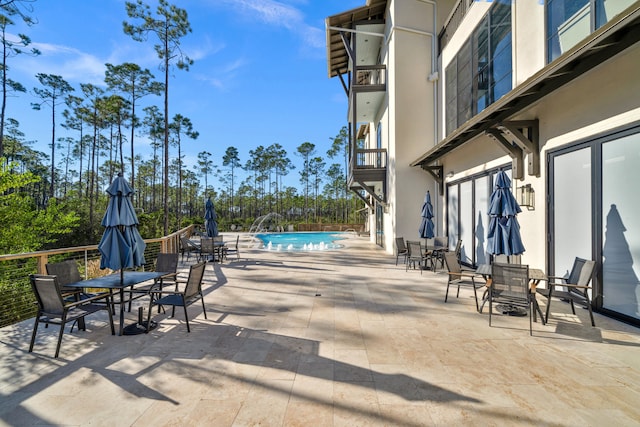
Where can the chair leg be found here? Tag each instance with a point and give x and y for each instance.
(593, 323)
(490, 307)
(475, 295)
(146, 331)
(573, 308)
(186, 317)
(531, 318)
(63, 321)
(113, 329)
(33, 334)
(446, 294)
(204, 310)
(537, 310)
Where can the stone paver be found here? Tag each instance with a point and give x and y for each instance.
(341, 338)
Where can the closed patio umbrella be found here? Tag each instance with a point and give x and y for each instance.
(503, 237)
(426, 225)
(121, 245)
(211, 225)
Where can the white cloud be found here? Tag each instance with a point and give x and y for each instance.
(282, 15)
(73, 65)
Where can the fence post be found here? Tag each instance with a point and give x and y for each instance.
(42, 263)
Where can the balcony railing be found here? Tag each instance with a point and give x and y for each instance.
(373, 158)
(16, 297)
(453, 22)
(370, 76)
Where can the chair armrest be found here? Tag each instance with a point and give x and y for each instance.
(470, 274)
(168, 292)
(562, 278)
(103, 295)
(570, 285)
(171, 276)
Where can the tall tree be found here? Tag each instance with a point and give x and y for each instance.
(181, 126)
(340, 147)
(306, 150)
(153, 122)
(93, 96)
(52, 94)
(134, 83)
(205, 164)
(232, 160)
(169, 25)
(10, 48)
(316, 170)
(281, 165)
(117, 109)
(74, 119)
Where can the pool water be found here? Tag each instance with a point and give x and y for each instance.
(301, 241)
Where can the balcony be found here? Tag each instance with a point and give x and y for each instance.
(367, 93)
(368, 171)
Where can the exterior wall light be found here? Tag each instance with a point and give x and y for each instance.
(526, 196)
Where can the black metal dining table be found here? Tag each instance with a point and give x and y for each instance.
(535, 277)
(119, 282)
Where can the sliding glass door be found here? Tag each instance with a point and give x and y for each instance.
(594, 213)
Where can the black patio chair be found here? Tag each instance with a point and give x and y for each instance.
(415, 255)
(187, 246)
(401, 249)
(510, 287)
(166, 263)
(207, 248)
(54, 310)
(66, 272)
(440, 247)
(573, 288)
(233, 249)
(191, 293)
(459, 277)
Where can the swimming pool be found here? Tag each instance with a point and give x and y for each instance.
(301, 241)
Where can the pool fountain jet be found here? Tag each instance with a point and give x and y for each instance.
(294, 242)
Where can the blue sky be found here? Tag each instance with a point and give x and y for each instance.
(259, 76)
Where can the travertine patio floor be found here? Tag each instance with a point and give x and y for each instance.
(341, 338)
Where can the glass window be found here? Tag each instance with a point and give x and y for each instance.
(481, 65)
(452, 213)
(466, 223)
(481, 72)
(570, 21)
(607, 9)
(467, 218)
(572, 209)
(621, 226)
(452, 96)
(481, 217)
(594, 215)
(465, 107)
